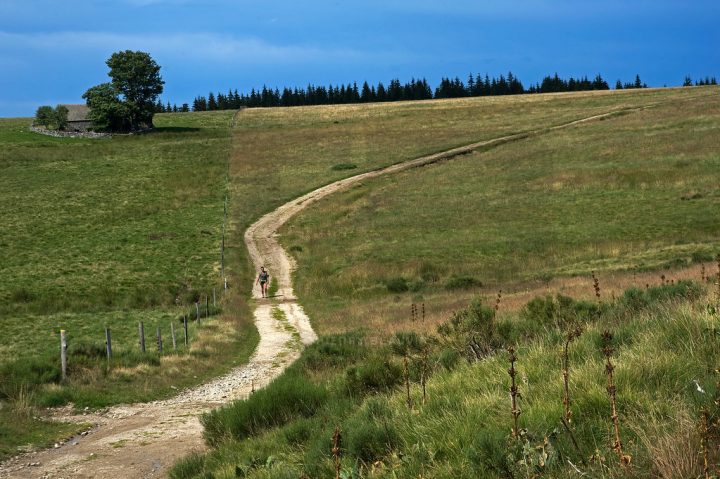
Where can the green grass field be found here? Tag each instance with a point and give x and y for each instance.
(107, 233)
(635, 192)
(630, 197)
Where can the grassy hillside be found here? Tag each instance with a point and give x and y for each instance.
(106, 233)
(632, 193)
(632, 197)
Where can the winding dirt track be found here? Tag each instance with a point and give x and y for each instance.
(144, 440)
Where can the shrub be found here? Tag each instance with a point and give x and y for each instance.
(701, 257)
(397, 285)
(448, 358)
(300, 431)
(343, 166)
(416, 285)
(462, 282)
(370, 435)
(288, 397)
(333, 351)
(406, 343)
(31, 372)
(188, 467)
(560, 311)
(636, 298)
(373, 375)
(471, 331)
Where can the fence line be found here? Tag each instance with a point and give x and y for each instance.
(65, 336)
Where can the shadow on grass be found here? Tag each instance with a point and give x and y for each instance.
(173, 129)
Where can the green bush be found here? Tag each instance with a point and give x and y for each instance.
(31, 372)
(406, 343)
(462, 282)
(636, 298)
(560, 312)
(471, 331)
(375, 374)
(397, 285)
(188, 467)
(701, 257)
(343, 166)
(288, 397)
(448, 359)
(334, 351)
(370, 435)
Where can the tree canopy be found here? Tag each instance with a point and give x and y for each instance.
(49, 117)
(127, 102)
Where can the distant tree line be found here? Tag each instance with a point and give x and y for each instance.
(702, 82)
(415, 89)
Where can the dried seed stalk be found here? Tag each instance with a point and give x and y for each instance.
(572, 335)
(423, 374)
(336, 451)
(406, 374)
(611, 389)
(497, 301)
(515, 410)
(596, 285)
(718, 279)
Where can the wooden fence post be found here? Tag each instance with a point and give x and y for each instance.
(159, 340)
(207, 306)
(214, 303)
(172, 333)
(185, 326)
(108, 344)
(141, 331)
(63, 354)
(197, 311)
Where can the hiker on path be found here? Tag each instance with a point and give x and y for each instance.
(263, 279)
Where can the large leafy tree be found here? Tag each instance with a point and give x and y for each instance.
(107, 111)
(128, 101)
(49, 117)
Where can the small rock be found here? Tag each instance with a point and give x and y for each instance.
(57, 445)
(34, 464)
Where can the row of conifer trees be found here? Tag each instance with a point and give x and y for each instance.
(415, 89)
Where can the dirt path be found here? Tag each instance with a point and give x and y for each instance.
(144, 440)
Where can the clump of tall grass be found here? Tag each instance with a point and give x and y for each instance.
(471, 331)
(514, 394)
(462, 282)
(288, 397)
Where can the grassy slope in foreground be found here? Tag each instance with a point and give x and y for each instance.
(106, 233)
(663, 343)
(463, 429)
(634, 192)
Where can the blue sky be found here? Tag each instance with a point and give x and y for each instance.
(52, 51)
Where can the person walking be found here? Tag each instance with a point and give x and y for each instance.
(263, 279)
